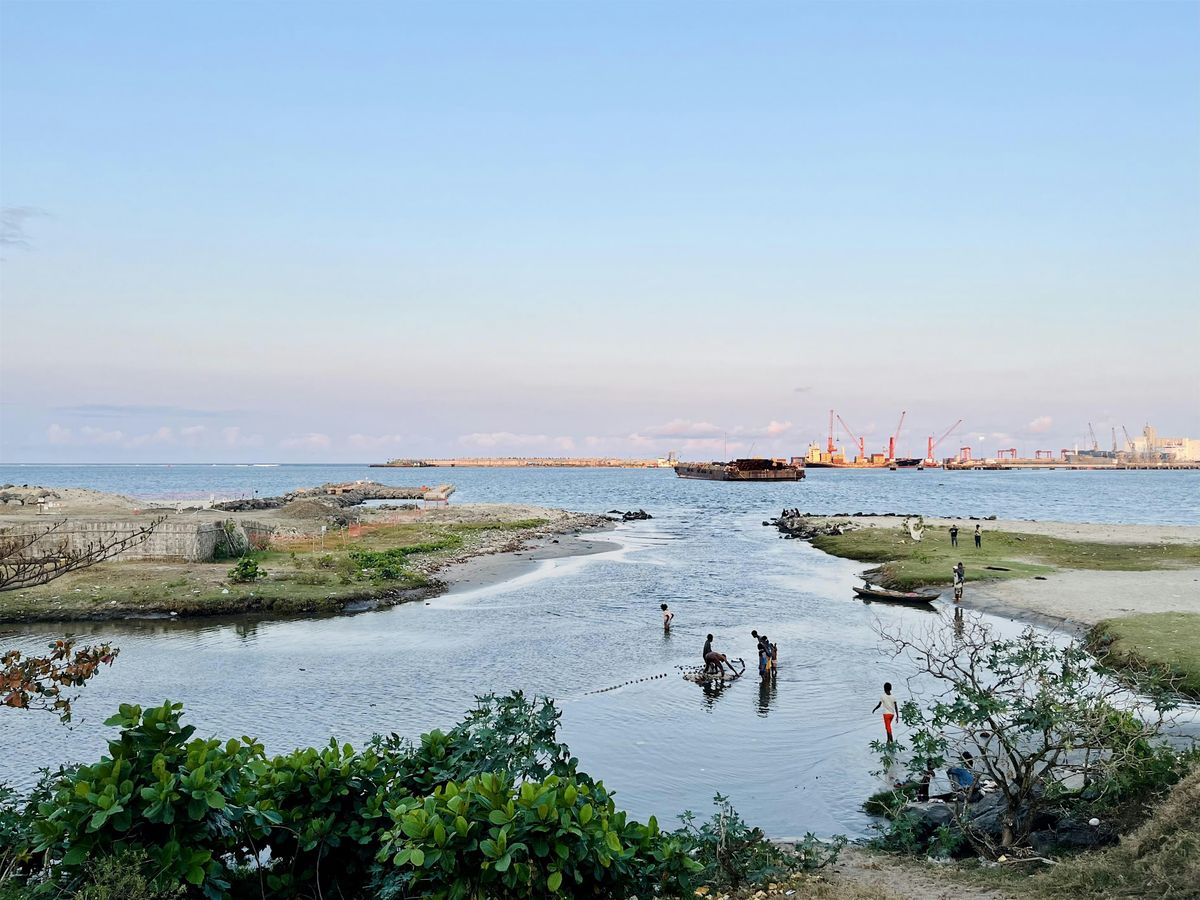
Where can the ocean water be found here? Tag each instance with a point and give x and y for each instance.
(793, 754)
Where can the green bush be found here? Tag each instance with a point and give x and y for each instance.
(729, 853)
(487, 837)
(495, 807)
(246, 570)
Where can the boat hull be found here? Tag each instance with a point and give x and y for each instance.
(740, 470)
(912, 598)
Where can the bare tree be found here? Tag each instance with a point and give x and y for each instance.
(38, 555)
(1043, 718)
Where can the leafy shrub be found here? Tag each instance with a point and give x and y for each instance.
(495, 807)
(124, 876)
(730, 853)
(389, 565)
(180, 801)
(246, 570)
(487, 837)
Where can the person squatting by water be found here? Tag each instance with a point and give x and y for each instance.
(953, 535)
(667, 617)
(888, 703)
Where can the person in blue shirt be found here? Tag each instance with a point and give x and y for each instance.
(963, 777)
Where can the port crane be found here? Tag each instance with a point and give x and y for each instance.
(1092, 435)
(862, 446)
(895, 437)
(929, 461)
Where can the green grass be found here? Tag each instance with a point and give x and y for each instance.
(906, 564)
(1169, 641)
(300, 581)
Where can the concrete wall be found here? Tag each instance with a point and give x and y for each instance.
(178, 541)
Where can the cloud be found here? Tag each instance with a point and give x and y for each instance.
(12, 224)
(161, 435)
(313, 440)
(192, 431)
(1040, 425)
(803, 389)
(375, 441)
(775, 429)
(233, 437)
(92, 435)
(56, 434)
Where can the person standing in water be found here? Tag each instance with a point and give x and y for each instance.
(888, 704)
(978, 538)
(707, 650)
(960, 577)
(667, 617)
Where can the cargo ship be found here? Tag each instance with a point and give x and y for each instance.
(743, 470)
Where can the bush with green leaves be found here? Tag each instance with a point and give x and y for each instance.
(489, 837)
(246, 570)
(729, 853)
(181, 801)
(495, 807)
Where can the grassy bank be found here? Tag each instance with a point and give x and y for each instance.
(1169, 641)
(906, 564)
(382, 566)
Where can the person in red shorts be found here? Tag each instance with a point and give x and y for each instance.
(888, 703)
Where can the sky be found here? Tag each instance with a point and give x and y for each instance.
(299, 232)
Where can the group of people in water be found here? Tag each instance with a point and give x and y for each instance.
(716, 663)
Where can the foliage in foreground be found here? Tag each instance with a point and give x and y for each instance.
(1046, 722)
(496, 807)
(40, 682)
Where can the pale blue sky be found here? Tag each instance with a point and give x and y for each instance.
(303, 231)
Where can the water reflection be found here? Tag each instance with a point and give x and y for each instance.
(767, 686)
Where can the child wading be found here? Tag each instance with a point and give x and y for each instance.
(667, 617)
(888, 703)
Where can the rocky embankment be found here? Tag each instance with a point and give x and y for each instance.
(336, 496)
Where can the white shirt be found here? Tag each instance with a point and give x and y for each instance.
(888, 702)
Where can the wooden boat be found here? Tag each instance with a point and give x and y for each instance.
(871, 592)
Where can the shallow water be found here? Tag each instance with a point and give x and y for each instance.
(793, 755)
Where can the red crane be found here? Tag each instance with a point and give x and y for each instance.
(895, 437)
(862, 448)
(933, 444)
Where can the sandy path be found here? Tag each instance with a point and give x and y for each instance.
(1075, 596)
(1086, 597)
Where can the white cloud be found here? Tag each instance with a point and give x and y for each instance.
(56, 434)
(313, 440)
(93, 435)
(163, 435)
(1040, 425)
(192, 431)
(682, 428)
(233, 437)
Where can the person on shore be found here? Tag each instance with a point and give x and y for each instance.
(953, 535)
(667, 617)
(888, 703)
(978, 538)
(960, 577)
(963, 777)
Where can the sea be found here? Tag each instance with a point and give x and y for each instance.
(793, 754)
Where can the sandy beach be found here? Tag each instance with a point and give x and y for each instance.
(1076, 597)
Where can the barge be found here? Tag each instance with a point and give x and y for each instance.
(742, 470)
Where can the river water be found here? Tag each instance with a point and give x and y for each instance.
(793, 755)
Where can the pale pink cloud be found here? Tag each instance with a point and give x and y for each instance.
(1040, 425)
